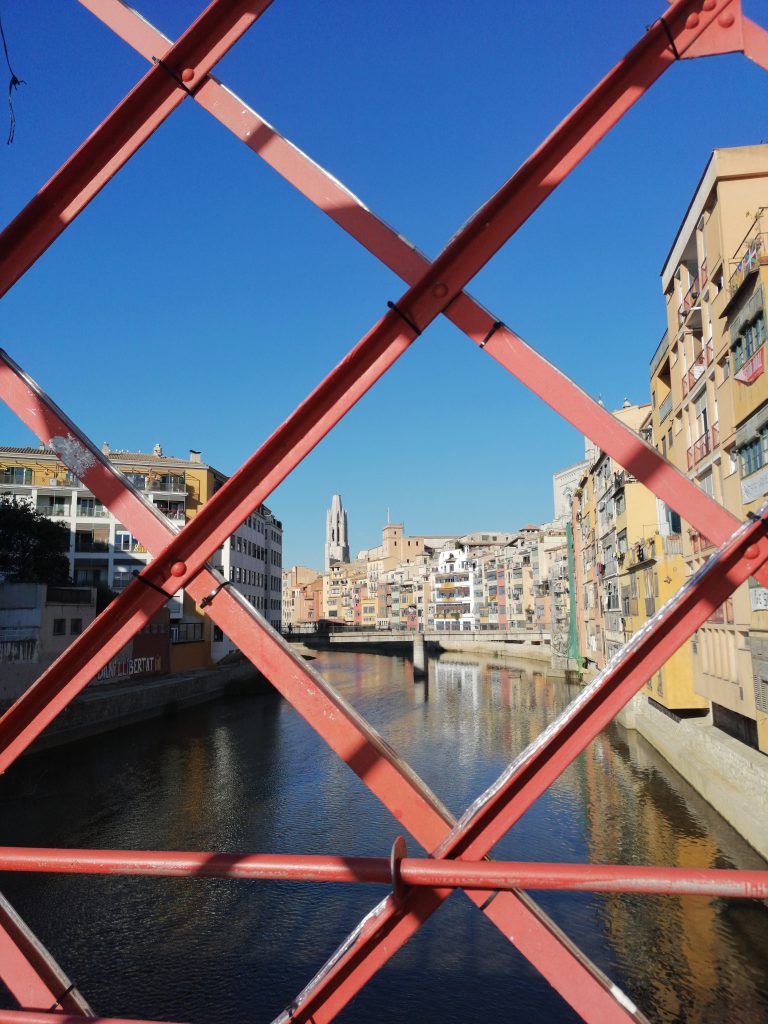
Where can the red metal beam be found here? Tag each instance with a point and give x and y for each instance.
(393, 782)
(505, 346)
(178, 73)
(422, 872)
(31, 974)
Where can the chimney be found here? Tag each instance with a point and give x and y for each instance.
(193, 455)
(158, 451)
(105, 449)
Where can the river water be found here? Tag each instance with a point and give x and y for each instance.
(246, 774)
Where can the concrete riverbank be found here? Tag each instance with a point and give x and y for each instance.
(730, 776)
(110, 706)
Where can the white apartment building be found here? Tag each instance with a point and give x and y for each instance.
(454, 601)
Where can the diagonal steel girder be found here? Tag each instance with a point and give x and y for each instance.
(374, 761)
(175, 75)
(32, 975)
(392, 249)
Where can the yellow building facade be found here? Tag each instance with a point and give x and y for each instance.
(709, 396)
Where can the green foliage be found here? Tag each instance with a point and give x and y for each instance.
(33, 549)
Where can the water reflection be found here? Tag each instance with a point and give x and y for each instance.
(249, 775)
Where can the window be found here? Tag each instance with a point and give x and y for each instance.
(187, 633)
(751, 338)
(218, 635)
(16, 475)
(753, 455)
(59, 627)
(75, 627)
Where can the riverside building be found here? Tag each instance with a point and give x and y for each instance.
(710, 401)
(103, 552)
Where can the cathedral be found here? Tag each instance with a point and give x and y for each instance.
(336, 537)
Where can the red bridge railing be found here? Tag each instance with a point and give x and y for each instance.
(687, 28)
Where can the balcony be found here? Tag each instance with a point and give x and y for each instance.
(723, 615)
(665, 408)
(87, 545)
(661, 351)
(613, 622)
(52, 509)
(91, 509)
(691, 304)
(755, 253)
(703, 445)
(166, 483)
(696, 372)
(18, 476)
(673, 544)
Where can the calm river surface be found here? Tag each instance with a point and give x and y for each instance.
(248, 775)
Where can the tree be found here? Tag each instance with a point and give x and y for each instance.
(33, 549)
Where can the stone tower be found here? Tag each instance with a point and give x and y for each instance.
(336, 538)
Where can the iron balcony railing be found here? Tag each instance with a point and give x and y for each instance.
(673, 544)
(696, 372)
(703, 445)
(665, 408)
(661, 351)
(755, 254)
(692, 298)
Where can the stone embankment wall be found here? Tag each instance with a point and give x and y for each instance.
(506, 649)
(109, 706)
(730, 776)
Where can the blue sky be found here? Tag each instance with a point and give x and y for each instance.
(199, 298)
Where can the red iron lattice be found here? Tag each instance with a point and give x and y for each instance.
(688, 28)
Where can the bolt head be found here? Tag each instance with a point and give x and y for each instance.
(726, 19)
(709, 5)
(187, 74)
(178, 568)
(440, 290)
(692, 20)
(752, 551)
